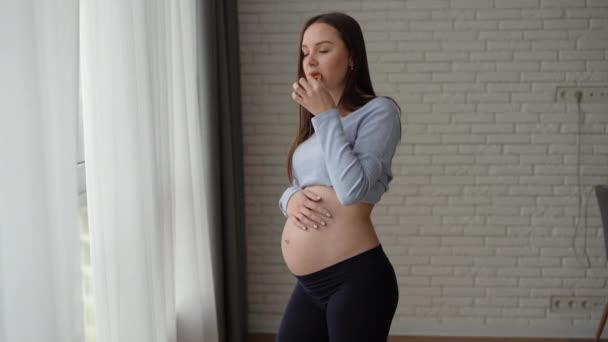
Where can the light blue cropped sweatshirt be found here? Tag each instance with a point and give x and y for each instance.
(353, 154)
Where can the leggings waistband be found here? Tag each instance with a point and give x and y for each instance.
(343, 265)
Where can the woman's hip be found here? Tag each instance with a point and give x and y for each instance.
(368, 271)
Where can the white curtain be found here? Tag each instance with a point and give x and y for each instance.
(146, 175)
(40, 280)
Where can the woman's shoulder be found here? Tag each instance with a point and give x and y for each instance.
(381, 104)
(385, 101)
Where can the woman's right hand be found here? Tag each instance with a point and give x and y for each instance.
(304, 211)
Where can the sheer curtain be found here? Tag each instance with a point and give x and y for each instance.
(40, 284)
(157, 209)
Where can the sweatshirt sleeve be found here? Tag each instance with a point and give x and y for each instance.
(286, 196)
(353, 170)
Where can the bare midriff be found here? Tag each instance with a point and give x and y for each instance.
(347, 233)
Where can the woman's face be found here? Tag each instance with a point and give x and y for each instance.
(324, 55)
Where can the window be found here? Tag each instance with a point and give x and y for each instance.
(85, 245)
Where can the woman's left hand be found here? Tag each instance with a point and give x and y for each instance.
(312, 95)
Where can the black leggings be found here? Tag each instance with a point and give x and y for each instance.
(351, 301)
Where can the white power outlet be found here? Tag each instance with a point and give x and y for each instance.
(577, 304)
(589, 94)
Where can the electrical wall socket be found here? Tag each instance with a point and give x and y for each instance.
(578, 303)
(590, 94)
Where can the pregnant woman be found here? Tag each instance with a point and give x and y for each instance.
(339, 166)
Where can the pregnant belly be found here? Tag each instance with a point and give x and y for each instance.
(347, 233)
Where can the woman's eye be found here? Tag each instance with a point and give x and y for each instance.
(321, 51)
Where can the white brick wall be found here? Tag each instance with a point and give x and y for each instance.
(480, 216)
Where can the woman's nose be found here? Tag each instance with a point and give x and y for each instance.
(312, 59)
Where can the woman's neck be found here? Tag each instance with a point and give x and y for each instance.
(336, 94)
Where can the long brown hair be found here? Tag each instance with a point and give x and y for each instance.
(358, 89)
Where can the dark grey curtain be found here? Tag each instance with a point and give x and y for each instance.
(220, 99)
